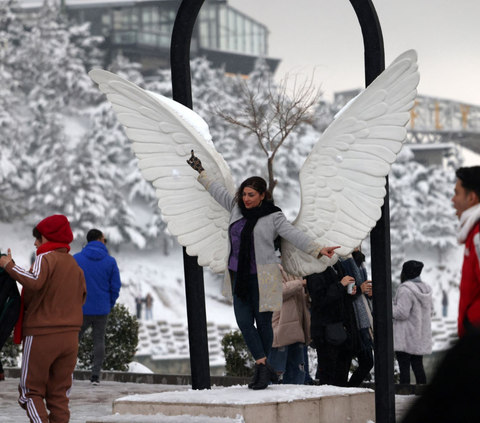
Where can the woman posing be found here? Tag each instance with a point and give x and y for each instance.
(253, 277)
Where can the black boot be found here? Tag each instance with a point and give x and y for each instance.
(255, 377)
(266, 375)
(273, 373)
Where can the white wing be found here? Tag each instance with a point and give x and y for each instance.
(343, 178)
(163, 133)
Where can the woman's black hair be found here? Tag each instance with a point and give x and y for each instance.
(255, 182)
(36, 233)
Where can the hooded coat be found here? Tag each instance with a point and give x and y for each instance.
(102, 278)
(292, 323)
(412, 311)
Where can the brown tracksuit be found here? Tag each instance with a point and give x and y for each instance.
(54, 293)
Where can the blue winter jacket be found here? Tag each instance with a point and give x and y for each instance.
(102, 277)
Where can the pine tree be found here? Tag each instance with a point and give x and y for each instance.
(15, 177)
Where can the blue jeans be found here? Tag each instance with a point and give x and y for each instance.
(289, 361)
(258, 338)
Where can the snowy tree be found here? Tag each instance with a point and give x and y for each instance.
(15, 176)
(421, 215)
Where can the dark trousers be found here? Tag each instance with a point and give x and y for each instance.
(333, 363)
(99, 327)
(365, 364)
(416, 361)
(256, 327)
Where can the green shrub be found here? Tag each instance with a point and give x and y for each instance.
(239, 361)
(121, 340)
(9, 353)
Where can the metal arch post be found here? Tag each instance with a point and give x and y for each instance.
(380, 238)
(194, 284)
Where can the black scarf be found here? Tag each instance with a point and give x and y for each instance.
(252, 216)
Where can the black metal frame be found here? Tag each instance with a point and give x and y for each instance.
(380, 236)
(194, 284)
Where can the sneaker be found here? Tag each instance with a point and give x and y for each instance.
(94, 380)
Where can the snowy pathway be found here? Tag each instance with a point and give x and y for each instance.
(89, 401)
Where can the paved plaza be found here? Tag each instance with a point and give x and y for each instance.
(87, 401)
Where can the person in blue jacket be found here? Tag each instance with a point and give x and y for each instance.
(103, 287)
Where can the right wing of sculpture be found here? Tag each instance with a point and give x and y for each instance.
(343, 178)
(163, 133)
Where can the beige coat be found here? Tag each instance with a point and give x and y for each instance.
(292, 323)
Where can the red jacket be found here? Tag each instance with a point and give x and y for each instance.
(469, 306)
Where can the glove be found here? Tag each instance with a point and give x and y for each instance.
(195, 163)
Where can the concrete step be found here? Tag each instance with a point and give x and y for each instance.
(162, 418)
(276, 404)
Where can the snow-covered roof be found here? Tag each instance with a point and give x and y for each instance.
(437, 146)
(35, 4)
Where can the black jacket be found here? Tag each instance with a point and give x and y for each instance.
(9, 306)
(330, 304)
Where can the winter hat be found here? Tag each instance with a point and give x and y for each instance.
(410, 270)
(56, 228)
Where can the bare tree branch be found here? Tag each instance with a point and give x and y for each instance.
(272, 116)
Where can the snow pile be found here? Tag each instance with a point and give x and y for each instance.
(242, 395)
(135, 367)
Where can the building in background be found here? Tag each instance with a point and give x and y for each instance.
(142, 29)
(436, 128)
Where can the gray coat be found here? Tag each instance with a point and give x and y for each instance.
(264, 233)
(412, 311)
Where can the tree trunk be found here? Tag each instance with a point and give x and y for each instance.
(271, 181)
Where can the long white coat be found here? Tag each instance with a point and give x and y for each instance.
(412, 311)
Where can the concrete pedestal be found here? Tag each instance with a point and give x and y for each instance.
(276, 404)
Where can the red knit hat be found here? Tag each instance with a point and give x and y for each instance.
(56, 228)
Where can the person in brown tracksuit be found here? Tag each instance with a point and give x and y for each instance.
(54, 291)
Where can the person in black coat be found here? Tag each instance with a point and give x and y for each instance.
(331, 303)
(9, 309)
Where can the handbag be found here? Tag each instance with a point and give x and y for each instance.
(335, 333)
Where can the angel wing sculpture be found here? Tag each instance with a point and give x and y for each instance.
(342, 180)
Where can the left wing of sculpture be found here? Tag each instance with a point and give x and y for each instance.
(343, 178)
(163, 133)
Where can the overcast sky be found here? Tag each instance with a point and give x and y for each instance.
(325, 34)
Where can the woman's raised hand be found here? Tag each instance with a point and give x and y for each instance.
(195, 163)
(328, 251)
